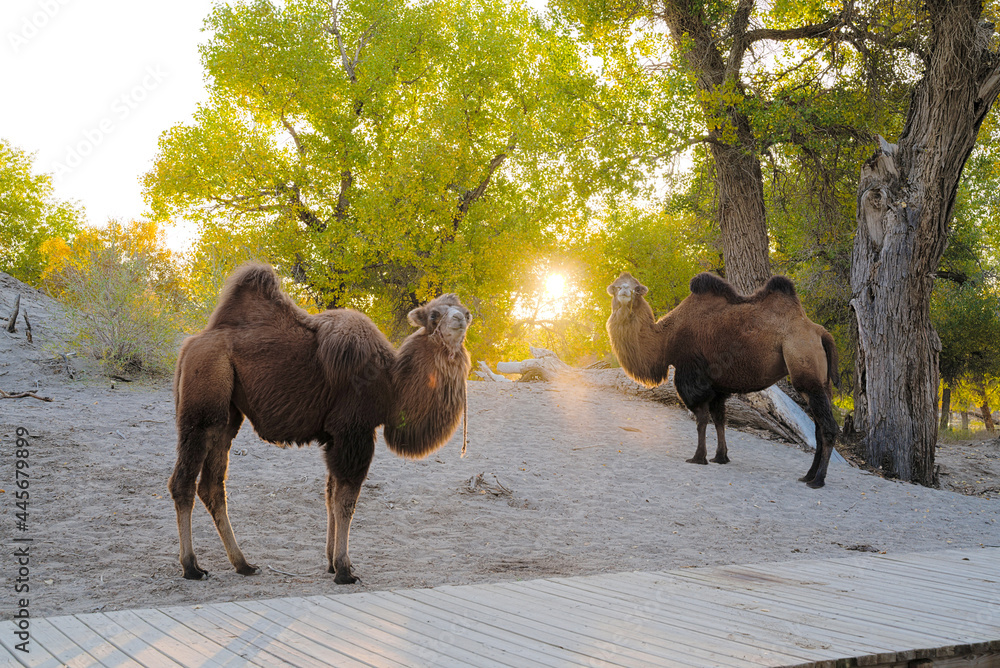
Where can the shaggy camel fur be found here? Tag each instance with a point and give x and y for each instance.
(330, 378)
(722, 343)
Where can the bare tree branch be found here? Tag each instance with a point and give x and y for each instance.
(471, 196)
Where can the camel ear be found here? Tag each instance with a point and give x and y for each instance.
(418, 317)
(611, 290)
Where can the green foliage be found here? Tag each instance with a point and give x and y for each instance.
(29, 214)
(124, 295)
(967, 318)
(389, 152)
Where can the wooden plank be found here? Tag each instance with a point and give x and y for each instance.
(482, 607)
(37, 657)
(218, 654)
(656, 632)
(870, 610)
(269, 640)
(236, 637)
(837, 630)
(57, 644)
(179, 651)
(402, 632)
(895, 595)
(416, 632)
(831, 616)
(953, 585)
(85, 638)
(965, 583)
(892, 598)
(617, 636)
(717, 631)
(384, 612)
(504, 648)
(674, 615)
(304, 636)
(349, 637)
(129, 643)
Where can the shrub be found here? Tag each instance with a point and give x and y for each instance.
(123, 293)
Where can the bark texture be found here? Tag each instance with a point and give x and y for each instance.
(738, 181)
(906, 194)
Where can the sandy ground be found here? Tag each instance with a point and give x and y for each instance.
(566, 479)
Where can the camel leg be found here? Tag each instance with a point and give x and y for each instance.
(347, 459)
(826, 435)
(191, 450)
(212, 492)
(701, 415)
(717, 407)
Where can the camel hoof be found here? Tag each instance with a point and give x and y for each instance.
(695, 460)
(816, 484)
(720, 460)
(806, 478)
(345, 578)
(248, 569)
(195, 573)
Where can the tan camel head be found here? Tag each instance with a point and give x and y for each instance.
(445, 317)
(624, 289)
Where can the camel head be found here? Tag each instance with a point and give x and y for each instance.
(624, 290)
(444, 317)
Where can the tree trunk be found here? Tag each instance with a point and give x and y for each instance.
(906, 193)
(965, 420)
(739, 184)
(988, 417)
(984, 409)
(741, 215)
(945, 423)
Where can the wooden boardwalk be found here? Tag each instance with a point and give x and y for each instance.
(864, 610)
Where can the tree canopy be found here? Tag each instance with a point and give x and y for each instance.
(29, 215)
(383, 152)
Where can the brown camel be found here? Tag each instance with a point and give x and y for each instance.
(330, 378)
(722, 343)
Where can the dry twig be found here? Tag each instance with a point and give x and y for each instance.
(20, 395)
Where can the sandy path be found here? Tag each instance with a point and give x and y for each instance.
(585, 496)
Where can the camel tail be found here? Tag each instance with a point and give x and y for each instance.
(830, 348)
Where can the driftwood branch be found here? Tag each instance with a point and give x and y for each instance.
(20, 395)
(544, 365)
(12, 320)
(487, 374)
(27, 325)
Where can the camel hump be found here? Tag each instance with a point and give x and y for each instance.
(780, 284)
(252, 294)
(710, 284)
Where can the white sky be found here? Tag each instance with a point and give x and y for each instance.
(89, 85)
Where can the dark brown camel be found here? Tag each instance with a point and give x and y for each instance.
(722, 343)
(330, 378)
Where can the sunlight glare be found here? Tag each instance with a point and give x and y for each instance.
(555, 286)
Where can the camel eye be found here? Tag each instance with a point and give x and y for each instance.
(434, 315)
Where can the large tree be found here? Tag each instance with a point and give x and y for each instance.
(382, 152)
(29, 215)
(906, 196)
(756, 76)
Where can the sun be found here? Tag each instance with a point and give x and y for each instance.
(555, 286)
